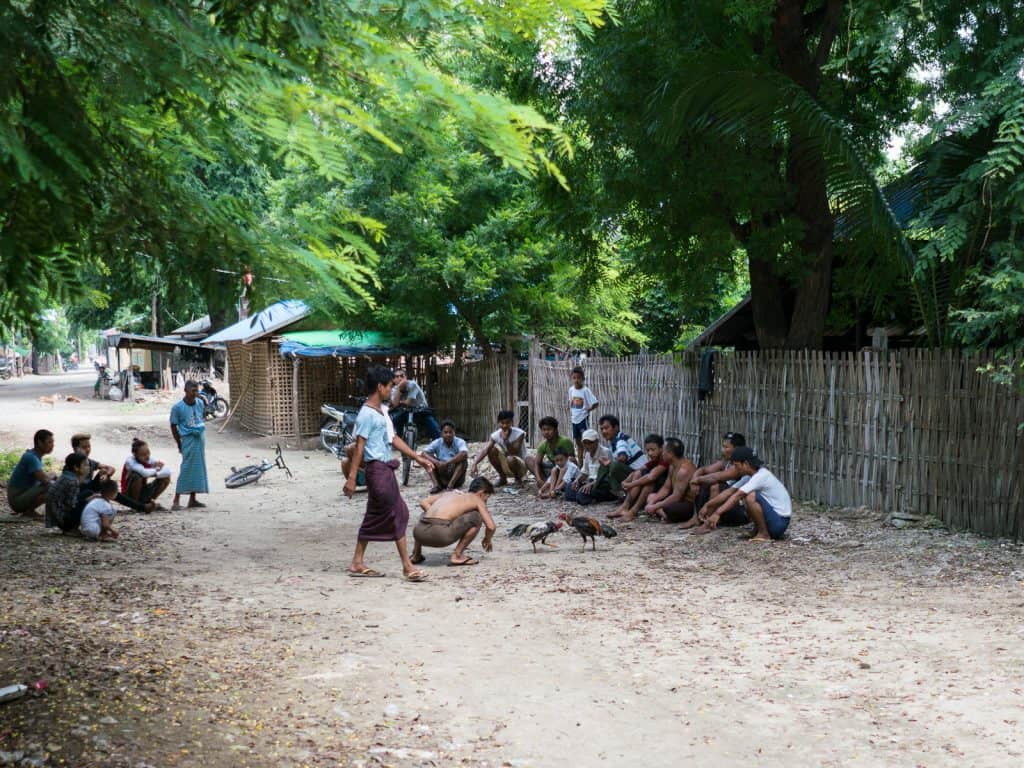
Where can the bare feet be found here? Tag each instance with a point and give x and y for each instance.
(691, 523)
(417, 559)
(701, 531)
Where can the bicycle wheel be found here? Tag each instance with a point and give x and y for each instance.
(220, 407)
(333, 437)
(409, 436)
(243, 476)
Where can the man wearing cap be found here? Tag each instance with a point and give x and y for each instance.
(768, 504)
(591, 484)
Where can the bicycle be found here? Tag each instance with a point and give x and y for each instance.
(410, 434)
(253, 472)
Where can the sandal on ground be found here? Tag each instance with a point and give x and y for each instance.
(467, 561)
(366, 573)
(418, 560)
(752, 539)
(196, 505)
(415, 576)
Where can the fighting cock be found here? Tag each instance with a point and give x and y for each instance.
(536, 532)
(589, 528)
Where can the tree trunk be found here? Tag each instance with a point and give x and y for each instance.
(476, 327)
(806, 172)
(154, 313)
(767, 302)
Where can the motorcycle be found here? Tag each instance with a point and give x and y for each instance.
(214, 406)
(5, 368)
(338, 425)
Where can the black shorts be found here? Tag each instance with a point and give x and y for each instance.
(579, 429)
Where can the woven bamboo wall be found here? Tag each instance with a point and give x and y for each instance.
(472, 394)
(915, 431)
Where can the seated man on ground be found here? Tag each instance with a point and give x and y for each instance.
(98, 514)
(628, 456)
(26, 490)
(562, 476)
(454, 516)
(768, 504)
(591, 484)
(407, 395)
(506, 450)
(542, 461)
(62, 494)
(713, 484)
(143, 479)
(642, 482)
(714, 478)
(449, 458)
(673, 502)
(82, 443)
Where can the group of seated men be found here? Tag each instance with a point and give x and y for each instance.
(658, 479)
(80, 496)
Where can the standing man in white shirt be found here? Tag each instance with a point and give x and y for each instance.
(768, 504)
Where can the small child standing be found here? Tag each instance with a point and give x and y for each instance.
(581, 402)
(99, 514)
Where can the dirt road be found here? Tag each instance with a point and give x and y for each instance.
(232, 636)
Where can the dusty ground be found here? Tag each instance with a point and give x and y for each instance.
(232, 637)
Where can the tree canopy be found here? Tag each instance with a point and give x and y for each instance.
(609, 177)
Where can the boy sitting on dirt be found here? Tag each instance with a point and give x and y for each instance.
(642, 482)
(768, 504)
(449, 458)
(99, 514)
(454, 516)
(562, 476)
(62, 494)
(673, 502)
(542, 462)
(143, 479)
(506, 450)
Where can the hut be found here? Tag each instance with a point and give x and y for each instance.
(279, 376)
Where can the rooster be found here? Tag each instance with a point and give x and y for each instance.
(589, 528)
(536, 532)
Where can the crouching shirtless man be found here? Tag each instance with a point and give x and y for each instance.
(452, 517)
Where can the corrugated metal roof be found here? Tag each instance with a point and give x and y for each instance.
(198, 326)
(343, 343)
(139, 341)
(270, 320)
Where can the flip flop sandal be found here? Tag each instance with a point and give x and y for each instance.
(753, 539)
(415, 576)
(467, 561)
(197, 505)
(366, 573)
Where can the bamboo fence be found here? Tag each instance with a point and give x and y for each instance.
(905, 431)
(471, 394)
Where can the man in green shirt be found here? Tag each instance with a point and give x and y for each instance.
(543, 460)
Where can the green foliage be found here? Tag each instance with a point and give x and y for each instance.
(142, 130)
(53, 333)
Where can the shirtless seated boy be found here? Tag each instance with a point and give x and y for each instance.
(641, 483)
(452, 517)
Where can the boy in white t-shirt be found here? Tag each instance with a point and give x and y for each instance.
(581, 402)
(506, 450)
(99, 514)
(768, 504)
(562, 476)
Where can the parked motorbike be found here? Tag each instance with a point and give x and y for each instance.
(338, 425)
(214, 406)
(6, 371)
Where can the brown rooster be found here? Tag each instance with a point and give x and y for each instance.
(589, 528)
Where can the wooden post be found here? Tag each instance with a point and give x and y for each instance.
(295, 397)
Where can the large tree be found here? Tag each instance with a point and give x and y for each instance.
(116, 117)
(750, 124)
